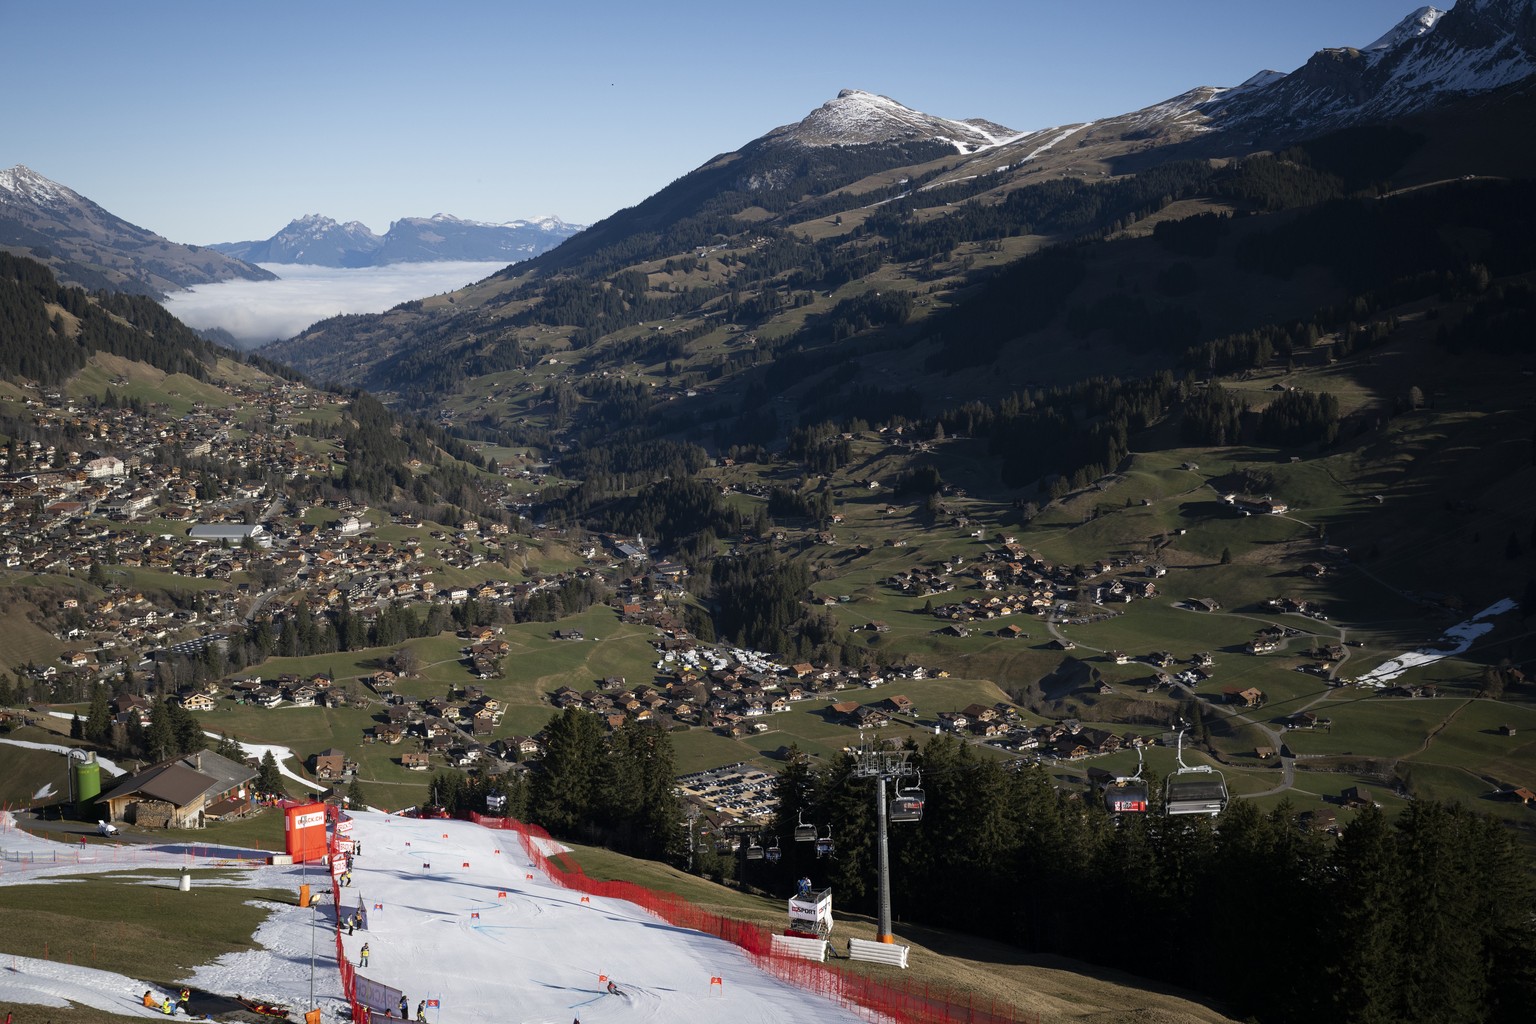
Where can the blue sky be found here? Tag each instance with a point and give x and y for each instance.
(214, 121)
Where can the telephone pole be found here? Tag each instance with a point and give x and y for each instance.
(881, 765)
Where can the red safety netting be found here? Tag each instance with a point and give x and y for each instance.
(345, 966)
(877, 1000)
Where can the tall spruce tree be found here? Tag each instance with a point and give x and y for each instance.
(569, 787)
(641, 806)
(160, 737)
(268, 778)
(98, 721)
(1364, 888)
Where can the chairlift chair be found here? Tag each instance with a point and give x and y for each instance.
(1198, 789)
(907, 805)
(824, 844)
(1128, 794)
(804, 833)
(754, 851)
(773, 853)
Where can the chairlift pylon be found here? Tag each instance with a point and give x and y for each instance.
(1197, 789)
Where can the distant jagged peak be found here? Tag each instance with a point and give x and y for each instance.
(25, 183)
(320, 222)
(857, 117)
(1420, 22)
(548, 223)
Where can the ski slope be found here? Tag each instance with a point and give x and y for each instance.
(440, 928)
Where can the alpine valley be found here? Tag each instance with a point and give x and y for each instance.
(1082, 467)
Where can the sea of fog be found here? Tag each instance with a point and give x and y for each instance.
(257, 312)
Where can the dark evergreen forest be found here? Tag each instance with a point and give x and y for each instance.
(1429, 919)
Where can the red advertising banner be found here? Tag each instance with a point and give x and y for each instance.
(304, 831)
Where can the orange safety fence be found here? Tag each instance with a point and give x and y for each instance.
(914, 1002)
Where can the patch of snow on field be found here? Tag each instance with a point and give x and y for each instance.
(46, 983)
(1455, 640)
(279, 754)
(108, 766)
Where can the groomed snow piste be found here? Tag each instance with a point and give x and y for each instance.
(533, 956)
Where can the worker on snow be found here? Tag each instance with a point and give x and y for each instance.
(421, 1012)
(149, 999)
(364, 954)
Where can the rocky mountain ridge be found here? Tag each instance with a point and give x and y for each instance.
(321, 241)
(859, 178)
(856, 118)
(1427, 58)
(93, 248)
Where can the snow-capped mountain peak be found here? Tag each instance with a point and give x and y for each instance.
(857, 117)
(23, 183)
(94, 247)
(546, 222)
(1427, 58)
(318, 239)
(1420, 22)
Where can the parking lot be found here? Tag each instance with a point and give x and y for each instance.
(743, 790)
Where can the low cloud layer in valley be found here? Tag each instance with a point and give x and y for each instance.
(257, 312)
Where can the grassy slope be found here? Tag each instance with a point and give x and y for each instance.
(1056, 988)
(117, 922)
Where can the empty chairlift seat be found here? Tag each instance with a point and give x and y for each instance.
(804, 833)
(1196, 793)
